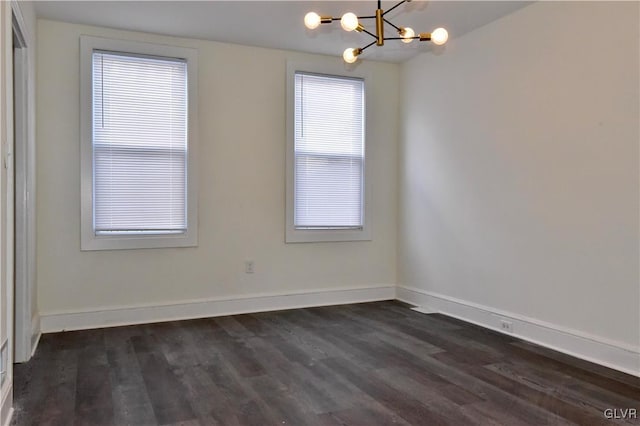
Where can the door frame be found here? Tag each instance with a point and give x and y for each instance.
(26, 330)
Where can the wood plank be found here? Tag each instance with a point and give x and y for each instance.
(547, 400)
(403, 404)
(165, 390)
(131, 403)
(94, 404)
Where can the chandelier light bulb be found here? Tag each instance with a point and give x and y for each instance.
(407, 34)
(439, 36)
(350, 55)
(349, 21)
(312, 20)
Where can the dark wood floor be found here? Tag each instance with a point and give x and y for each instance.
(364, 364)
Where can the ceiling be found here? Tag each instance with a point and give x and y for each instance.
(279, 24)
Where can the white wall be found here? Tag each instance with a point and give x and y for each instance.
(241, 182)
(519, 170)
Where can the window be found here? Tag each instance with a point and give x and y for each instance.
(326, 158)
(138, 148)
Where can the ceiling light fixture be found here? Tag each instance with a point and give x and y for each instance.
(351, 22)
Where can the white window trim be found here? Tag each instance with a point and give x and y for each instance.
(293, 235)
(90, 241)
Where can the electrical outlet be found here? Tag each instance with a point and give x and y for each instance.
(506, 326)
(248, 267)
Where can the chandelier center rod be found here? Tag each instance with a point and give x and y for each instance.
(379, 27)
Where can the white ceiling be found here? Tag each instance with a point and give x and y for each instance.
(279, 24)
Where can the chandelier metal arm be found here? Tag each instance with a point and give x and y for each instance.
(402, 38)
(370, 33)
(359, 17)
(368, 45)
(389, 10)
(397, 28)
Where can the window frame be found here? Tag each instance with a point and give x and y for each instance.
(89, 240)
(293, 234)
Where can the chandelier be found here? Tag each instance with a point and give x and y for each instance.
(351, 22)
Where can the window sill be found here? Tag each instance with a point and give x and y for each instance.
(323, 235)
(123, 242)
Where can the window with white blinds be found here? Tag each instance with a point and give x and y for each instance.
(138, 111)
(139, 144)
(329, 152)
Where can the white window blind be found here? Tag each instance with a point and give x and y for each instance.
(139, 144)
(329, 152)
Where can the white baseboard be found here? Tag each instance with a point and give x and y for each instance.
(35, 333)
(6, 409)
(128, 315)
(423, 310)
(612, 354)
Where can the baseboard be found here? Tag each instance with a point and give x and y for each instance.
(35, 333)
(615, 355)
(423, 310)
(128, 315)
(6, 409)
